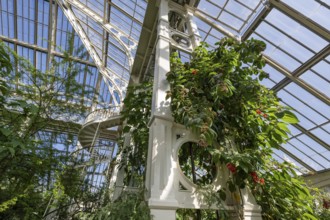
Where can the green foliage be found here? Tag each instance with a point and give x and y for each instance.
(72, 180)
(7, 204)
(130, 206)
(32, 101)
(71, 197)
(218, 96)
(284, 194)
(196, 163)
(136, 116)
(205, 214)
(5, 68)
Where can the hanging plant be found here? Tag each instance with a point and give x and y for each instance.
(239, 121)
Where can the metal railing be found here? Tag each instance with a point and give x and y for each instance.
(103, 114)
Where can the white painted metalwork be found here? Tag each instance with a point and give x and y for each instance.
(102, 114)
(71, 17)
(164, 175)
(110, 28)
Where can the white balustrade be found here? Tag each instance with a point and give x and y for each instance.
(102, 114)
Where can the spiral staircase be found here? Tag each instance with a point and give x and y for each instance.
(100, 123)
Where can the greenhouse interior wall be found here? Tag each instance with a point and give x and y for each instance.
(90, 126)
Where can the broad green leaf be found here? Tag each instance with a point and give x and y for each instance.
(309, 216)
(283, 126)
(289, 117)
(5, 131)
(126, 129)
(231, 186)
(281, 133)
(222, 194)
(12, 151)
(279, 114)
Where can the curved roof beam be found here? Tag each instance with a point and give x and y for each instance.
(92, 52)
(111, 29)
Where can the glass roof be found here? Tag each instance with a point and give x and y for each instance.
(234, 15)
(297, 54)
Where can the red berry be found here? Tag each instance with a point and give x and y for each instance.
(253, 173)
(262, 181)
(231, 167)
(255, 177)
(258, 111)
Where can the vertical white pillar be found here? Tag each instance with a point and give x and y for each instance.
(162, 214)
(161, 166)
(117, 177)
(192, 28)
(161, 106)
(251, 211)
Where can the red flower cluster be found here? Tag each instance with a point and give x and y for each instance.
(194, 72)
(231, 167)
(256, 179)
(259, 112)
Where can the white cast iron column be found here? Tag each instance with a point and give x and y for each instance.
(161, 167)
(192, 28)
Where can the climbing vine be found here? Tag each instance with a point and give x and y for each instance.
(136, 115)
(218, 96)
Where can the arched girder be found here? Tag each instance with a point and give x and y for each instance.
(91, 31)
(114, 31)
(92, 52)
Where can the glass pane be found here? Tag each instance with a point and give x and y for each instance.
(289, 159)
(312, 10)
(326, 127)
(284, 59)
(313, 144)
(322, 134)
(210, 9)
(295, 30)
(309, 99)
(231, 20)
(238, 9)
(317, 82)
(302, 154)
(274, 75)
(294, 130)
